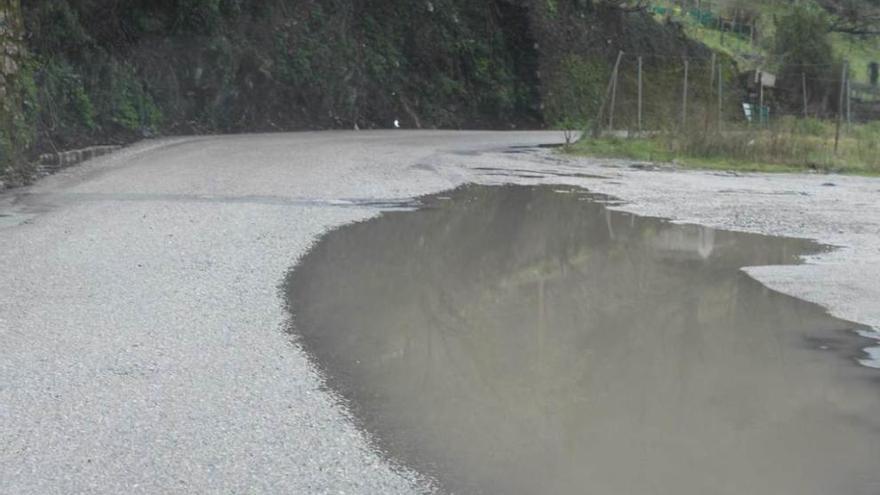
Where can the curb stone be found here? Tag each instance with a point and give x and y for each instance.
(49, 163)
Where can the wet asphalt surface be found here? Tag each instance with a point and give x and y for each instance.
(142, 325)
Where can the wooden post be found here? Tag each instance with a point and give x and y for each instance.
(804, 90)
(684, 97)
(640, 94)
(840, 107)
(597, 124)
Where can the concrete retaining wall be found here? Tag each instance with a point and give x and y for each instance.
(49, 163)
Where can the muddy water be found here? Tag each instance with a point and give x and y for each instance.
(527, 340)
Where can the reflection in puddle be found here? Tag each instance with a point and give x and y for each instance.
(530, 173)
(519, 340)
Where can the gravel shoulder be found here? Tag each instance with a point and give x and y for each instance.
(142, 327)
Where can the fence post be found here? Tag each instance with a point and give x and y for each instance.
(640, 94)
(720, 96)
(840, 106)
(708, 113)
(804, 88)
(613, 97)
(684, 97)
(761, 97)
(712, 74)
(597, 125)
(848, 103)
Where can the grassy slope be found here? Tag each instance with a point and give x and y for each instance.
(854, 157)
(857, 153)
(860, 51)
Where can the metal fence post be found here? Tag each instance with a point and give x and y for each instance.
(640, 94)
(684, 97)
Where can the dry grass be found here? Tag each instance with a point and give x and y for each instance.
(789, 144)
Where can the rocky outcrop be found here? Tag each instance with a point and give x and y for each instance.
(96, 73)
(11, 58)
(11, 52)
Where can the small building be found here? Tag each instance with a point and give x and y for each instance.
(758, 78)
(761, 87)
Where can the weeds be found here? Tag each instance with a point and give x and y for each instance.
(790, 144)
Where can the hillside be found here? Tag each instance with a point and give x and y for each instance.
(753, 49)
(102, 71)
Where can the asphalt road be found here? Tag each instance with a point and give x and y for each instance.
(142, 328)
(142, 344)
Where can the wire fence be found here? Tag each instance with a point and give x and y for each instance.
(660, 92)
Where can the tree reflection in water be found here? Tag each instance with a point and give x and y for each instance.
(527, 340)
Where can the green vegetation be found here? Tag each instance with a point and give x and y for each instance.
(17, 89)
(803, 50)
(742, 50)
(576, 91)
(234, 65)
(760, 50)
(789, 145)
(106, 71)
(859, 51)
(793, 41)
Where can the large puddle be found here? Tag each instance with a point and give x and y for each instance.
(525, 340)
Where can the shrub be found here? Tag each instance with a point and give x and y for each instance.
(804, 48)
(575, 91)
(127, 104)
(198, 16)
(62, 97)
